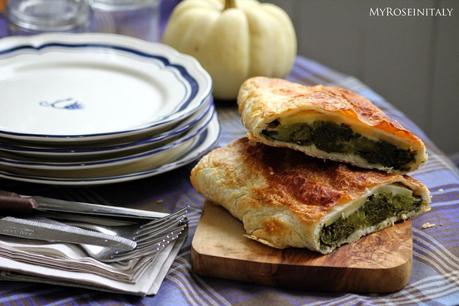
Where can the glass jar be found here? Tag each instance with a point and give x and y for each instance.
(138, 18)
(37, 16)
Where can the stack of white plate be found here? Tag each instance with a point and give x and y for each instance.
(83, 109)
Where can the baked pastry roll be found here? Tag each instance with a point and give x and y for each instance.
(287, 199)
(327, 122)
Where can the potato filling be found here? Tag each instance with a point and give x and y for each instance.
(340, 138)
(377, 208)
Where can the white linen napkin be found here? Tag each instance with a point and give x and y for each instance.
(66, 264)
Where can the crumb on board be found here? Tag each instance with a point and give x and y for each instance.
(428, 225)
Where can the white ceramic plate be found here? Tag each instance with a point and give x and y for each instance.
(162, 154)
(87, 87)
(203, 142)
(27, 152)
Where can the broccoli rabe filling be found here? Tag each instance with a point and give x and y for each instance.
(340, 138)
(377, 208)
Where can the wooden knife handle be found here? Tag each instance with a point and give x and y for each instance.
(14, 204)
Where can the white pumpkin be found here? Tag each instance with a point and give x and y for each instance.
(233, 40)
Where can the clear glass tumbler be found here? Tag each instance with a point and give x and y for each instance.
(138, 18)
(37, 16)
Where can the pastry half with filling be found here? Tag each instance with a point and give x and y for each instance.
(287, 199)
(327, 122)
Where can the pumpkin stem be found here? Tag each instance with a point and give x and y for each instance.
(229, 4)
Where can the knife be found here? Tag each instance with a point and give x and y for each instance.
(39, 229)
(14, 204)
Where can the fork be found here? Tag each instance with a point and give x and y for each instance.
(151, 237)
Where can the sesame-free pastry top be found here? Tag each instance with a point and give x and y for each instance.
(327, 122)
(287, 199)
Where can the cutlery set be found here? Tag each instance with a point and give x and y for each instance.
(116, 243)
(154, 235)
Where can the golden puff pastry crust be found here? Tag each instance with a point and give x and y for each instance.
(263, 100)
(284, 198)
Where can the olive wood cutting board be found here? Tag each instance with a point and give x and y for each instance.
(377, 263)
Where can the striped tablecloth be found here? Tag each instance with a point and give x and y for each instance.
(435, 276)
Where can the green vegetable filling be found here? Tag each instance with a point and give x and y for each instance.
(340, 138)
(377, 208)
